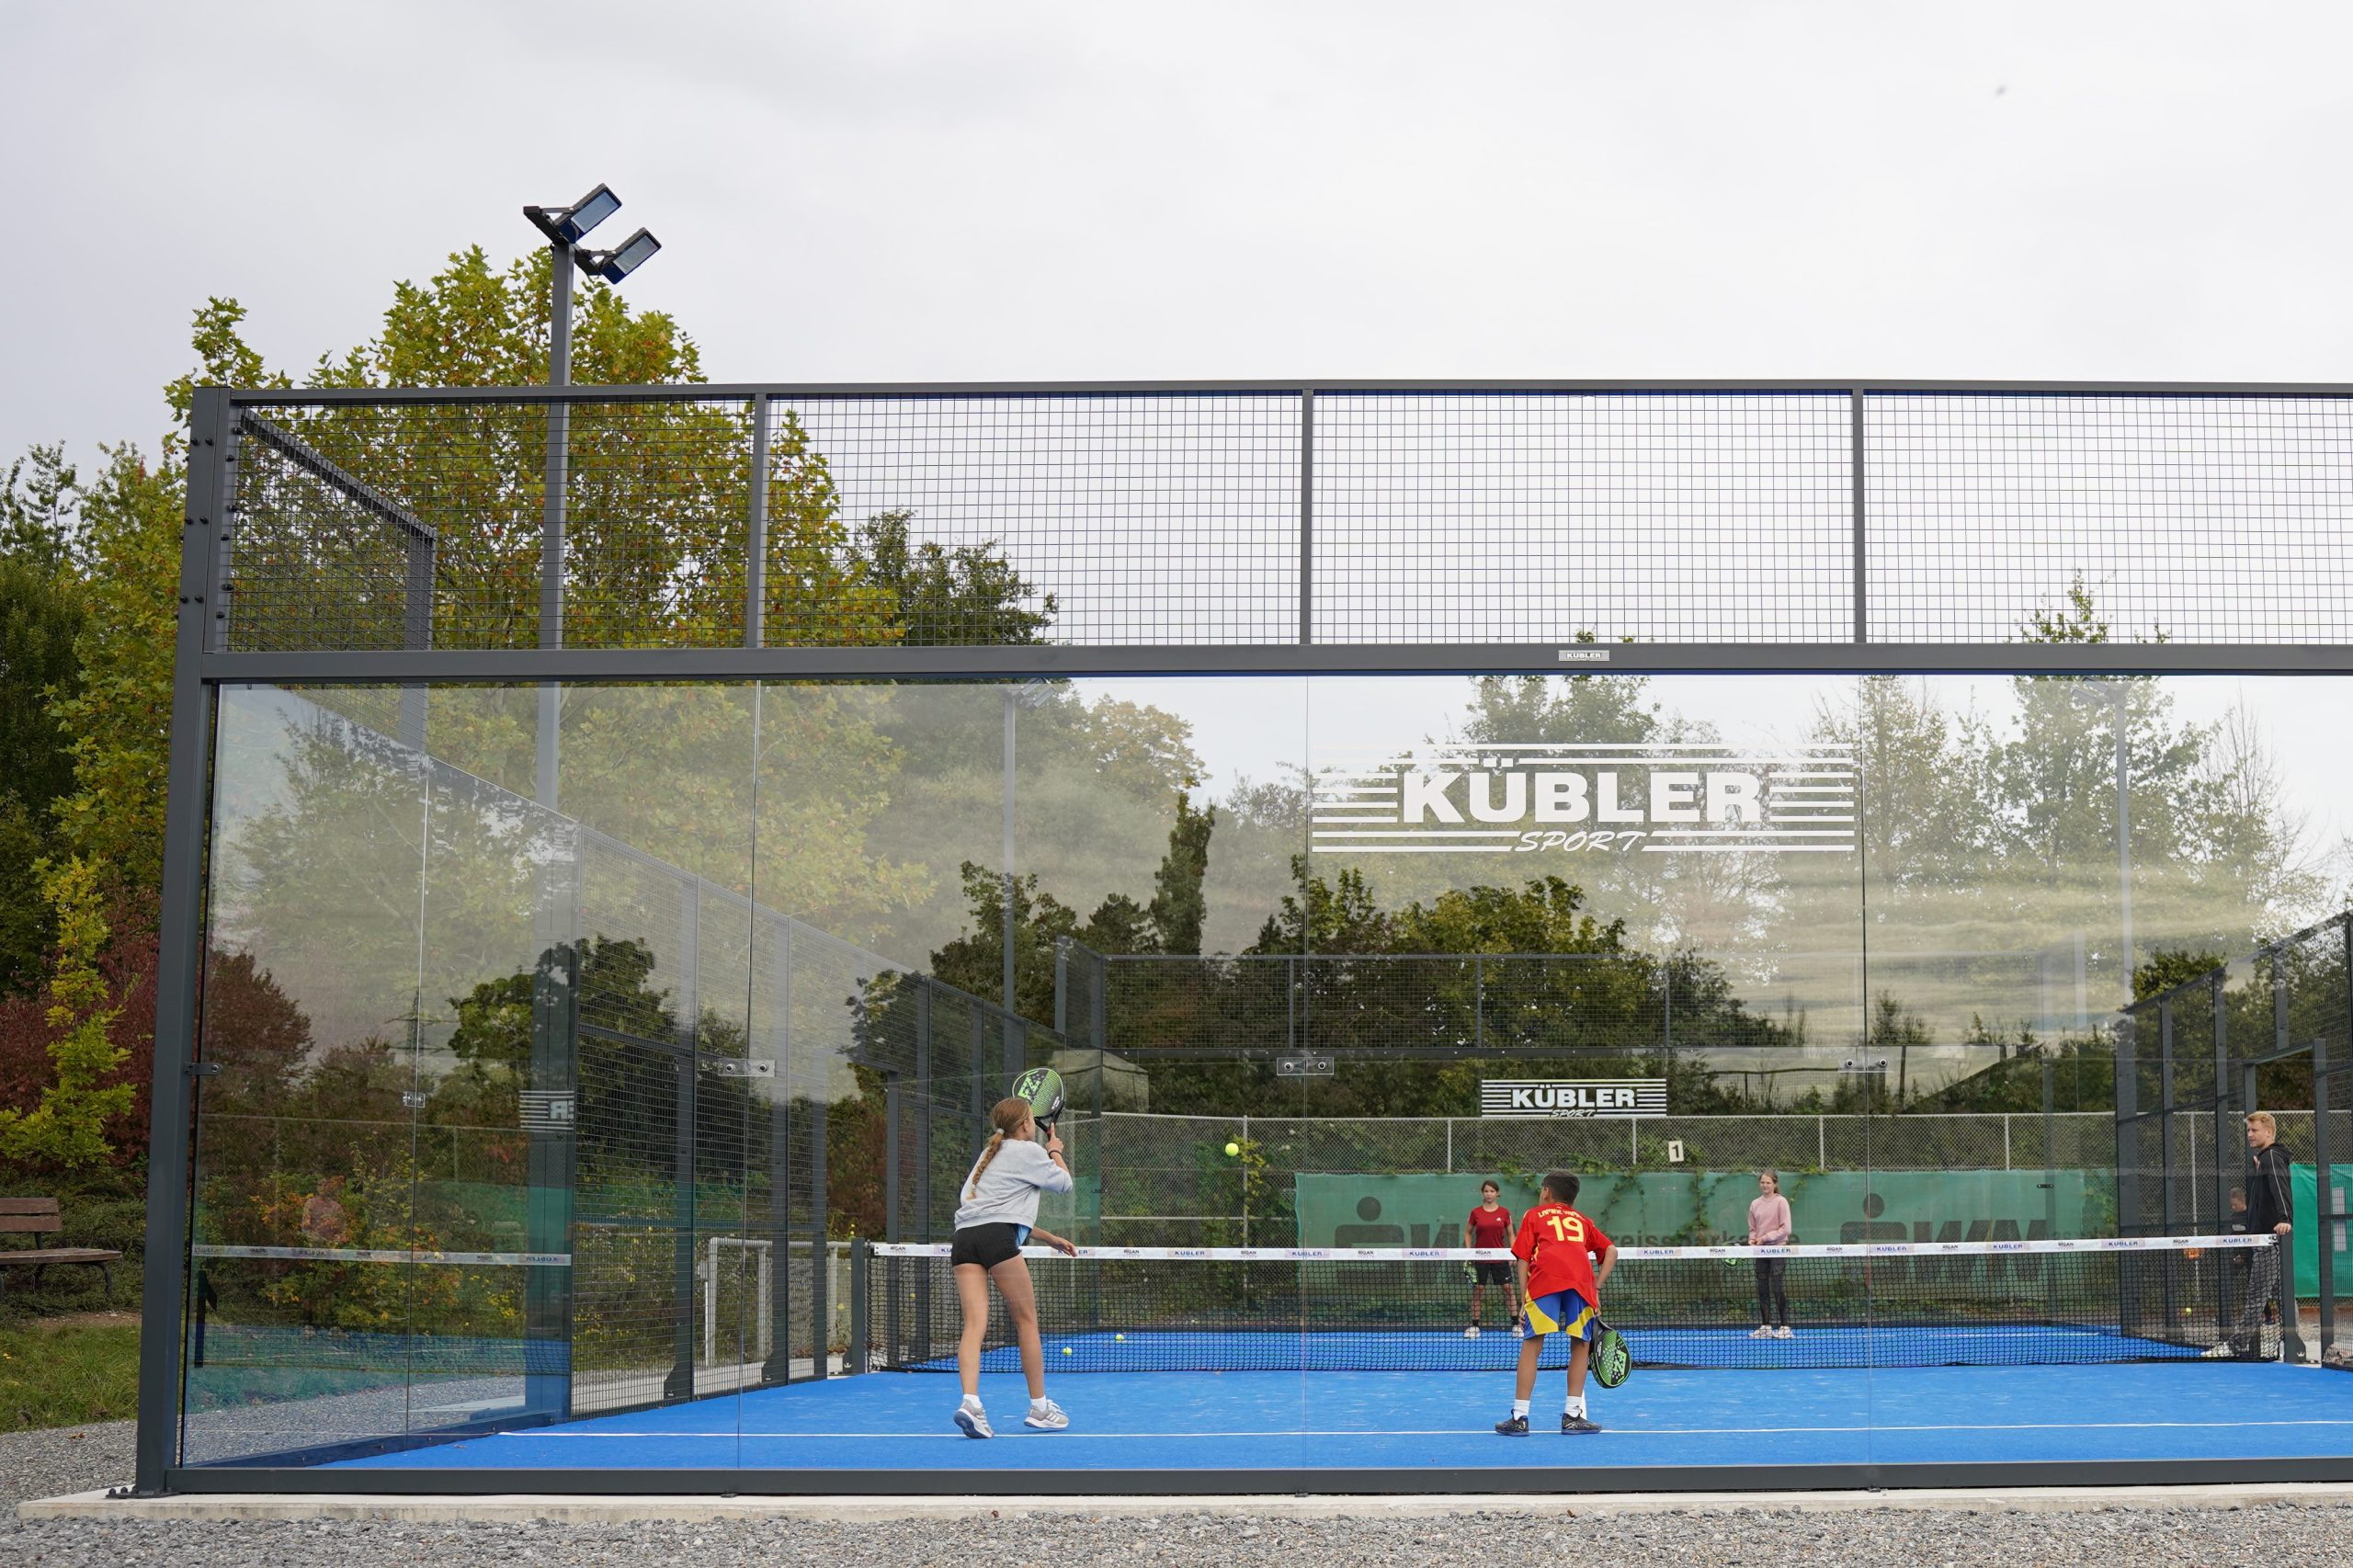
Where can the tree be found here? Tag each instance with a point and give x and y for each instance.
(965, 594)
(67, 1129)
(41, 620)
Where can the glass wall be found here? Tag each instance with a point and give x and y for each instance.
(553, 1105)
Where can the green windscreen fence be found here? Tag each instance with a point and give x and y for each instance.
(1700, 1208)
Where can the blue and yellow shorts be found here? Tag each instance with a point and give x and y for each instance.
(1563, 1312)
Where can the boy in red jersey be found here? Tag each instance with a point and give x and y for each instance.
(1489, 1226)
(1554, 1255)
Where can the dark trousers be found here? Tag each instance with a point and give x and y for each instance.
(1772, 1300)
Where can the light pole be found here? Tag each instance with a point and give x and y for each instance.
(565, 227)
(548, 1228)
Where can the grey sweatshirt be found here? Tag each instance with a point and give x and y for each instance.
(1008, 1191)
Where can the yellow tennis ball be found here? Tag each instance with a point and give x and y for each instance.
(1119, 1336)
(1232, 1149)
(1066, 1351)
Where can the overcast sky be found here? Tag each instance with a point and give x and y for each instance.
(935, 191)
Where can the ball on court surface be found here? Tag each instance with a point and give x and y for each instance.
(1232, 1149)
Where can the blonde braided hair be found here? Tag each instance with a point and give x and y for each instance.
(1008, 1117)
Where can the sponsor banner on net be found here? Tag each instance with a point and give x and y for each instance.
(1557, 798)
(1572, 1096)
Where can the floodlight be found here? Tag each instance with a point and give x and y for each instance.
(614, 264)
(565, 225)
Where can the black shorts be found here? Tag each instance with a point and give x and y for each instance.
(987, 1245)
(1491, 1273)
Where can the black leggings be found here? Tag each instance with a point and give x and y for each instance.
(1772, 1301)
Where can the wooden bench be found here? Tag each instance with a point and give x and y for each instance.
(39, 1216)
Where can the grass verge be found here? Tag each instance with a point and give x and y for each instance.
(64, 1373)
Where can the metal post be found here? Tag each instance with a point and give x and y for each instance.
(686, 1214)
(416, 632)
(211, 466)
(1306, 516)
(890, 1207)
(861, 1263)
(1478, 1004)
(2128, 1221)
(2123, 839)
(2324, 1204)
(1855, 462)
(777, 1366)
(756, 530)
(820, 1285)
(2230, 1139)
(927, 1091)
(551, 511)
(980, 1073)
(1006, 794)
(2049, 1146)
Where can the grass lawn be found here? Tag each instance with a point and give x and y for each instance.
(64, 1371)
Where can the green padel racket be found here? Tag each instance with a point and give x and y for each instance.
(1042, 1087)
(1612, 1360)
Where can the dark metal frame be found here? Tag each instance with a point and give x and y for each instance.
(203, 664)
(2228, 1103)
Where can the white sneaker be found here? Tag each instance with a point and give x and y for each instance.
(1762, 1331)
(1471, 1333)
(1782, 1332)
(1046, 1415)
(974, 1421)
(2221, 1352)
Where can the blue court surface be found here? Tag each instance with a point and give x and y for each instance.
(1247, 1420)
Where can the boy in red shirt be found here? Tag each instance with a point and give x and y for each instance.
(1554, 1255)
(1489, 1226)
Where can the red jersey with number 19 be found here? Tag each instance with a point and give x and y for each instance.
(1558, 1244)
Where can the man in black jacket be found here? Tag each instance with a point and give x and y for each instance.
(2268, 1208)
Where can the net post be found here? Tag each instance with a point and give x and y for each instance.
(861, 1265)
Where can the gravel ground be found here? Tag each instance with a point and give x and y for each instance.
(37, 1464)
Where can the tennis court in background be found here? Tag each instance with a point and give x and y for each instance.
(1237, 1358)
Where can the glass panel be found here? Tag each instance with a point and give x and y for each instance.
(629, 1109)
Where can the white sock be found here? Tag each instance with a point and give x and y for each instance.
(1039, 1402)
(1572, 1406)
(1519, 1407)
(972, 1401)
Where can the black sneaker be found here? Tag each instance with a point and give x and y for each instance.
(1515, 1427)
(1577, 1423)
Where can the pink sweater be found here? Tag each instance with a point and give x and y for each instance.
(1768, 1221)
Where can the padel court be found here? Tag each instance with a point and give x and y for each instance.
(629, 846)
(1442, 1421)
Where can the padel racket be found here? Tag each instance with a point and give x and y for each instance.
(1042, 1087)
(1612, 1360)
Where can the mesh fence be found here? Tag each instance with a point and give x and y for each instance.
(2196, 519)
(1268, 518)
(1168, 1180)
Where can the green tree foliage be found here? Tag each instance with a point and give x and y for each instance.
(67, 1129)
(41, 620)
(965, 594)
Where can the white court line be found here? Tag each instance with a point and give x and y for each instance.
(1486, 1431)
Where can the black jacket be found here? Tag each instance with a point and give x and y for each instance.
(2267, 1203)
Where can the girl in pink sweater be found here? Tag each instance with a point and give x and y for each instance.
(1768, 1226)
